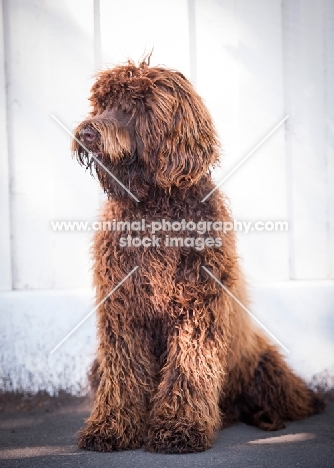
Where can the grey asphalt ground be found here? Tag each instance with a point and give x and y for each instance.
(35, 438)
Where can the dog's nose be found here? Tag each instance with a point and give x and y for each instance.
(88, 135)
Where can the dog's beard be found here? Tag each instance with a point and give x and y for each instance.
(113, 155)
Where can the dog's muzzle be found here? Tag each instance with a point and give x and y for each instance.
(88, 136)
(104, 136)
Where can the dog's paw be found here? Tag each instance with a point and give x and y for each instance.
(97, 441)
(173, 437)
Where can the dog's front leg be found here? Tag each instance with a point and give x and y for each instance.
(185, 411)
(127, 369)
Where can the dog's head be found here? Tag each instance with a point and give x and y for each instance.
(149, 128)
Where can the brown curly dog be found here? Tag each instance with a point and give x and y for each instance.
(178, 358)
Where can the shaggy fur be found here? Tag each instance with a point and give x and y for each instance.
(178, 358)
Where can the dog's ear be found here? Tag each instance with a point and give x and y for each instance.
(188, 145)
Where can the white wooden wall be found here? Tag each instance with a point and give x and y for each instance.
(254, 62)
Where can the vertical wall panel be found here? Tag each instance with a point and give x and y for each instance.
(217, 67)
(5, 252)
(75, 194)
(259, 186)
(131, 28)
(49, 47)
(329, 123)
(240, 75)
(30, 164)
(303, 32)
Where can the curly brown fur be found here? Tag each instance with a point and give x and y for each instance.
(178, 358)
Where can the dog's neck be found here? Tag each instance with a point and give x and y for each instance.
(160, 200)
